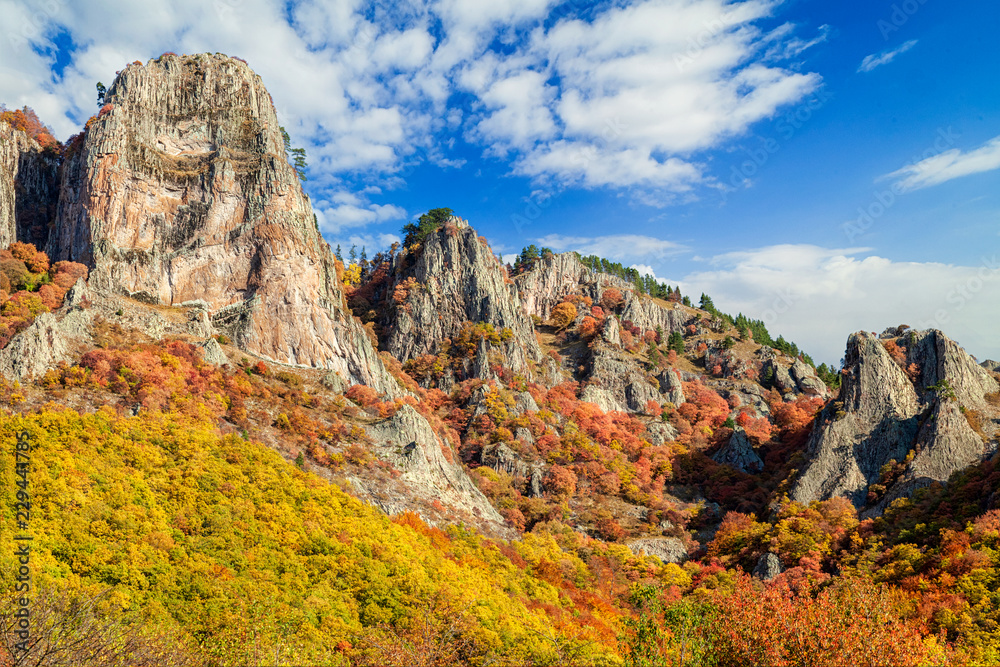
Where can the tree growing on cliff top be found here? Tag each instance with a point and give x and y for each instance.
(428, 222)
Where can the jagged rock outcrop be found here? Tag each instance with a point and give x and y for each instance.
(29, 188)
(612, 332)
(524, 403)
(454, 278)
(670, 386)
(181, 190)
(551, 279)
(991, 366)
(408, 442)
(667, 549)
(738, 453)
(883, 415)
(503, 459)
(649, 315)
(617, 382)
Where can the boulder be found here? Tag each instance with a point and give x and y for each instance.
(212, 352)
(738, 453)
(807, 381)
(667, 549)
(503, 459)
(768, 567)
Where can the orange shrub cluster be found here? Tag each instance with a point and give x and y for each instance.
(28, 122)
(29, 286)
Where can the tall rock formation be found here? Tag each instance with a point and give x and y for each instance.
(180, 191)
(922, 417)
(454, 278)
(29, 188)
(553, 278)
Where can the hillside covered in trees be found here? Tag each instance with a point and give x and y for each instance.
(243, 447)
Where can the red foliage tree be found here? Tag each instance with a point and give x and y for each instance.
(611, 299)
(853, 622)
(362, 395)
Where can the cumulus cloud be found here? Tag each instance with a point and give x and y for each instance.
(348, 211)
(949, 165)
(885, 57)
(818, 296)
(647, 270)
(619, 247)
(623, 98)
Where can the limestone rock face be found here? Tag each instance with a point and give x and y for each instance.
(627, 387)
(946, 443)
(410, 444)
(667, 549)
(883, 415)
(29, 188)
(648, 315)
(880, 424)
(550, 280)
(940, 358)
(183, 192)
(738, 453)
(458, 280)
(503, 459)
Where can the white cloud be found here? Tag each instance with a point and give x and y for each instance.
(371, 243)
(351, 211)
(623, 99)
(818, 296)
(948, 165)
(618, 247)
(885, 57)
(647, 270)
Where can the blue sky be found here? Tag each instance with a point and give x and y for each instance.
(827, 167)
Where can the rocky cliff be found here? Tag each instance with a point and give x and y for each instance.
(450, 279)
(180, 191)
(28, 188)
(912, 410)
(553, 278)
